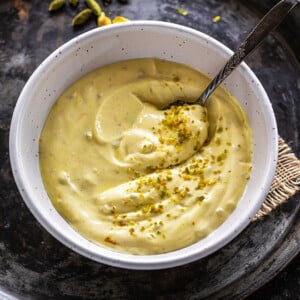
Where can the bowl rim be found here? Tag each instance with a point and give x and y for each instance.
(110, 257)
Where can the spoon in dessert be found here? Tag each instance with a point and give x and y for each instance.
(269, 22)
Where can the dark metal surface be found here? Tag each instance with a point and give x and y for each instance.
(33, 265)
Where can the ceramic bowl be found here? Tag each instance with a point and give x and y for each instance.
(114, 43)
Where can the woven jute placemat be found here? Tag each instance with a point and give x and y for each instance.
(286, 181)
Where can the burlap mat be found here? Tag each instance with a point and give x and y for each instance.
(286, 182)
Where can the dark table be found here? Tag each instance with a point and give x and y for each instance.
(33, 265)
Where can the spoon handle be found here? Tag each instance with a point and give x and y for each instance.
(270, 21)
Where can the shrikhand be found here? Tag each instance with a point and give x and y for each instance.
(138, 179)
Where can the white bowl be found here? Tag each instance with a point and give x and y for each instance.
(121, 42)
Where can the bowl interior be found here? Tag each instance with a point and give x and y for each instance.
(121, 42)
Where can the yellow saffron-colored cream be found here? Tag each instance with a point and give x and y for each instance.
(136, 178)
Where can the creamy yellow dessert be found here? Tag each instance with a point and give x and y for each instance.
(138, 179)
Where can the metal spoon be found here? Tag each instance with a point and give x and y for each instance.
(270, 21)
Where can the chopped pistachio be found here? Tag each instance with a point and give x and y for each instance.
(182, 11)
(217, 19)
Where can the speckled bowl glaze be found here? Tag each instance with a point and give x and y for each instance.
(106, 45)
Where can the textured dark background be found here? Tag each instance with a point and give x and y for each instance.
(33, 265)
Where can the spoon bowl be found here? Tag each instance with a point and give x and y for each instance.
(268, 23)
